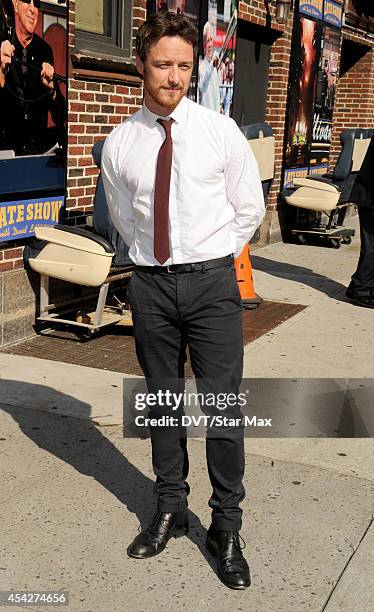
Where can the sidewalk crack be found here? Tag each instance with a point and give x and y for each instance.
(347, 564)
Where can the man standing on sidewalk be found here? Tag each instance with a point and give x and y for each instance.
(183, 190)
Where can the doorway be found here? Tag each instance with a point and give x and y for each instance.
(251, 73)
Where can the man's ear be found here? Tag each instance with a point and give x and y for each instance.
(139, 65)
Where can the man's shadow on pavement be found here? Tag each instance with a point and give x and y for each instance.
(300, 274)
(78, 441)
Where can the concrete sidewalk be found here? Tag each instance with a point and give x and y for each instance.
(74, 491)
(328, 339)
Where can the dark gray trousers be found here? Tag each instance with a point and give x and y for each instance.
(362, 282)
(201, 311)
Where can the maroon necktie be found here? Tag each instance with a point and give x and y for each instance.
(161, 201)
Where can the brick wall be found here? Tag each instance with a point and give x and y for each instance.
(95, 107)
(354, 99)
(259, 12)
(11, 258)
(277, 104)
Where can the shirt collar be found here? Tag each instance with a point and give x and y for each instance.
(179, 114)
(18, 45)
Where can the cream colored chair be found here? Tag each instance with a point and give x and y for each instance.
(85, 258)
(261, 140)
(329, 195)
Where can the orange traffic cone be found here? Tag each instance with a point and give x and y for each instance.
(245, 280)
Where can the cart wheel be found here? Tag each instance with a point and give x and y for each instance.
(347, 239)
(335, 243)
(85, 335)
(301, 239)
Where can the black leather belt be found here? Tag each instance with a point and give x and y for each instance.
(201, 266)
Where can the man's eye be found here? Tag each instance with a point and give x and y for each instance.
(185, 67)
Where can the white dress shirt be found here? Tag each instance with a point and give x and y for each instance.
(216, 201)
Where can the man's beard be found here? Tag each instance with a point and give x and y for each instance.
(164, 98)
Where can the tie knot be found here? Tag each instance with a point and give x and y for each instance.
(166, 124)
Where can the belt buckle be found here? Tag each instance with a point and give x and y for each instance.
(197, 267)
(168, 269)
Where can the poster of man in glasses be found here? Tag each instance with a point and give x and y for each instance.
(32, 92)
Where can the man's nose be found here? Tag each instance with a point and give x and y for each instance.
(174, 75)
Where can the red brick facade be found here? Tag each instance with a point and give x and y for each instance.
(354, 100)
(95, 106)
(11, 259)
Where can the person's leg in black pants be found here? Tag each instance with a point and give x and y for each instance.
(215, 338)
(361, 287)
(161, 352)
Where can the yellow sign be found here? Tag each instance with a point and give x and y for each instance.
(293, 173)
(19, 218)
(314, 8)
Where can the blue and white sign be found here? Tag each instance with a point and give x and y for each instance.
(333, 13)
(312, 8)
(19, 218)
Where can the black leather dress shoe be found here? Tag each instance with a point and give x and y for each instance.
(153, 540)
(232, 566)
(364, 299)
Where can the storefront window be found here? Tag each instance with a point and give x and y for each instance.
(104, 25)
(94, 16)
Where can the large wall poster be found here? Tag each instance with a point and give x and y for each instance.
(313, 75)
(325, 94)
(216, 73)
(32, 92)
(33, 129)
(305, 54)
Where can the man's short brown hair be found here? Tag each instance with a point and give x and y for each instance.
(163, 24)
